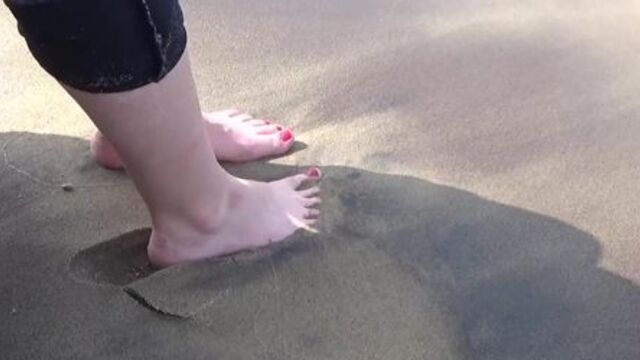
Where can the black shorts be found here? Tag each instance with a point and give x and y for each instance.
(103, 45)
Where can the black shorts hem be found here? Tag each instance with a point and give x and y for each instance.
(103, 46)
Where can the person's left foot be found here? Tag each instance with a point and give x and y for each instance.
(254, 215)
(235, 136)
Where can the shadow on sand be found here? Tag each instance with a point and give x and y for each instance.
(514, 284)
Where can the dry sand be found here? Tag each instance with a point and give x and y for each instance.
(481, 198)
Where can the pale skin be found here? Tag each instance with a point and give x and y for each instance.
(197, 209)
(238, 136)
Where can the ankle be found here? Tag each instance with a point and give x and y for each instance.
(205, 214)
(178, 235)
(173, 237)
(104, 153)
(196, 220)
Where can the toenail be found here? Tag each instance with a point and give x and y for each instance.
(279, 127)
(313, 172)
(286, 135)
(267, 121)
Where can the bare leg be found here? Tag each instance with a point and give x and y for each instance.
(197, 209)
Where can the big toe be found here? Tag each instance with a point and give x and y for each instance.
(296, 181)
(272, 144)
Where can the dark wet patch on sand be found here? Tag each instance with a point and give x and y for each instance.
(118, 261)
(122, 261)
(401, 268)
(184, 290)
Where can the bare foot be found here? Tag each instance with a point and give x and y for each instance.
(256, 214)
(236, 137)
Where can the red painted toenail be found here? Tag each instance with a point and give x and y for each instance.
(313, 172)
(279, 127)
(286, 135)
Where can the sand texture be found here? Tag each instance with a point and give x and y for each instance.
(480, 199)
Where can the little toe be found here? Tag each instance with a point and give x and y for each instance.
(310, 222)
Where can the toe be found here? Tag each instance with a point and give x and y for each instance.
(247, 138)
(307, 193)
(286, 136)
(267, 130)
(309, 203)
(225, 113)
(262, 142)
(256, 122)
(312, 174)
(312, 214)
(296, 180)
(282, 141)
(242, 117)
(310, 222)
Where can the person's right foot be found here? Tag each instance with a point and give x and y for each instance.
(236, 137)
(256, 214)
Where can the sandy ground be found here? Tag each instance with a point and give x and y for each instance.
(481, 198)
